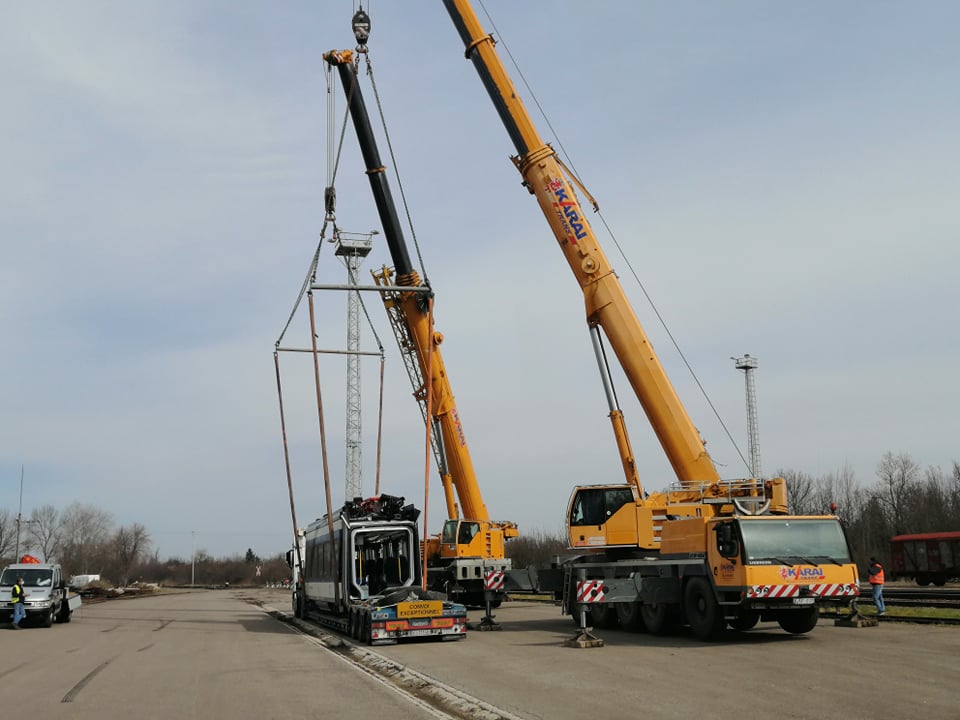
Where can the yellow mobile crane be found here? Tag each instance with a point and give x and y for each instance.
(708, 551)
(467, 560)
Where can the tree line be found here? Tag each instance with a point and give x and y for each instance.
(85, 541)
(905, 498)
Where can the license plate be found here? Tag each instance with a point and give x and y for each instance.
(420, 608)
(418, 633)
(804, 601)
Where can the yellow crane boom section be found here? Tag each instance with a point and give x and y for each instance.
(606, 303)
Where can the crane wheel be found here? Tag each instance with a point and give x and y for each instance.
(703, 612)
(798, 622)
(630, 617)
(745, 620)
(660, 619)
(601, 615)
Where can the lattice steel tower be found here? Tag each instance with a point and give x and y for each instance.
(352, 248)
(748, 365)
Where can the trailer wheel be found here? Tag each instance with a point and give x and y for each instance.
(366, 631)
(798, 622)
(660, 618)
(631, 620)
(703, 612)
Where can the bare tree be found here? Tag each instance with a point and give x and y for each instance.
(7, 534)
(898, 476)
(953, 495)
(131, 544)
(85, 534)
(800, 492)
(841, 489)
(43, 531)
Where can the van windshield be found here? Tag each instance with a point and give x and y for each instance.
(31, 578)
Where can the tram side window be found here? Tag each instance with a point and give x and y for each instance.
(310, 560)
(327, 559)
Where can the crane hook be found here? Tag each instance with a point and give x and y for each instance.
(361, 29)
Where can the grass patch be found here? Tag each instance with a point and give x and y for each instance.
(927, 613)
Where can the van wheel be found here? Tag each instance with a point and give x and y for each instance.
(47, 619)
(63, 616)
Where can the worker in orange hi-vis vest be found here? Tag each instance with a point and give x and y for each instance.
(876, 582)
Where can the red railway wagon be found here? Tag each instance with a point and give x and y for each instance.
(926, 557)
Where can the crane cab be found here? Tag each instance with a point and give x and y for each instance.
(603, 516)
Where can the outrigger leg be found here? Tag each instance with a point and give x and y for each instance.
(584, 637)
(488, 623)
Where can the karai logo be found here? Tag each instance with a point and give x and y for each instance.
(801, 573)
(566, 207)
(727, 569)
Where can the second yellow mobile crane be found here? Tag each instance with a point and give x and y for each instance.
(467, 561)
(707, 552)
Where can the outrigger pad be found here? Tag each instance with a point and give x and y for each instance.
(583, 639)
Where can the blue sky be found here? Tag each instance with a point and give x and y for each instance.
(782, 178)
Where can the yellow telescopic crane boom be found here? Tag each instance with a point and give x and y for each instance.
(714, 554)
(607, 306)
(474, 545)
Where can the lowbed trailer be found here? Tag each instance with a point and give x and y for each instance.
(408, 613)
(360, 573)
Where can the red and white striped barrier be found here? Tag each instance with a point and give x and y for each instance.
(773, 591)
(830, 590)
(589, 591)
(494, 580)
(835, 590)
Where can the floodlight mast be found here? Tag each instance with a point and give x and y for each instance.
(748, 364)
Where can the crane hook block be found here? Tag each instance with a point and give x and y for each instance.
(361, 28)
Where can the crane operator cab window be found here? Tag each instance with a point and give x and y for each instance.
(594, 506)
(461, 532)
(449, 534)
